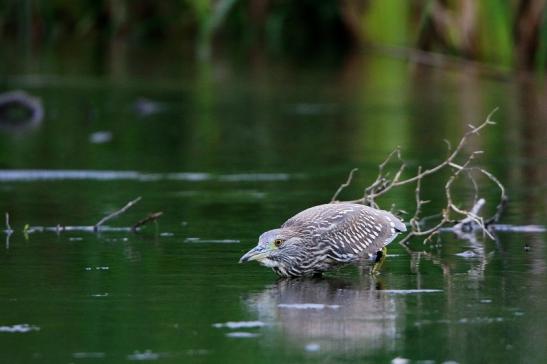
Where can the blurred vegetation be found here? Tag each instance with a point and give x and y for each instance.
(512, 34)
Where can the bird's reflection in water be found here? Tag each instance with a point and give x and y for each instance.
(330, 315)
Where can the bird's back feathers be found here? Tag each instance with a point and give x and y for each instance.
(351, 231)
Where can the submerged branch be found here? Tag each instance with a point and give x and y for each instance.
(99, 226)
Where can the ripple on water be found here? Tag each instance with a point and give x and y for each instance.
(312, 347)
(254, 177)
(19, 328)
(242, 334)
(30, 175)
(100, 295)
(91, 355)
(399, 360)
(410, 291)
(145, 355)
(467, 254)
(463, 320)
(307, 306)
(239, 324)
(215, 241)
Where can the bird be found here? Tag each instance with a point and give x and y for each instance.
(325, 237)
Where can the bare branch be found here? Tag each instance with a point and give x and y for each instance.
(373, 191)
(152, 217)
(415, 220)
(503, 198)
(466, 223)
(115, 213)
(344, 185)
(463, 217)
(451, 206)
(475, 187)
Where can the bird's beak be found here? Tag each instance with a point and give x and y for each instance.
(256, 253)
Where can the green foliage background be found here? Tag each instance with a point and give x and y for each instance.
(510, 34)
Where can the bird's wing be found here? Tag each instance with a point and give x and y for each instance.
(350, 230)
(321, 218)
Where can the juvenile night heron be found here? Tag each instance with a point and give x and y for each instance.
(324, 237)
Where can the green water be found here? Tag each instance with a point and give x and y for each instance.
(233, 149)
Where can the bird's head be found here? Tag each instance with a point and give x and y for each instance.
(275, 247)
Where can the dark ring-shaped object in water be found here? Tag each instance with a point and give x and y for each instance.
(19, 111)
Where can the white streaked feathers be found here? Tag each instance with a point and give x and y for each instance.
(348, 230)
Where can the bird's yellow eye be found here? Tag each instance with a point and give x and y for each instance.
(278, 242)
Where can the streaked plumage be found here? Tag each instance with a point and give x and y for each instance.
(324, 237)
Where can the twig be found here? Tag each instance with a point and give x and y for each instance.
(8, 227)
(463, 225)
(503, 198)
(450, 204)
(343, 185)
(152, 217)
(8, 231)
(384, 183)
(414, 220)
(377, 189)
(115, 213)
(475, 186)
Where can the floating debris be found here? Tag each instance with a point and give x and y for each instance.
(97, 268)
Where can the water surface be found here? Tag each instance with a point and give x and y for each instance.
(227, 152)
